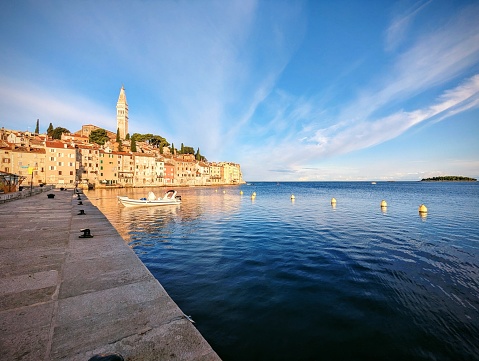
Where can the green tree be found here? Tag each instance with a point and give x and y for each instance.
(118, 135)
(198, 155)
(127, 136)
(158, 141)
(50, 130)
(37, 128)
(133, 144)
(120, 146)
(172, 149)
(182, 150)
(98, 136)
(188, 150)
(58, 131)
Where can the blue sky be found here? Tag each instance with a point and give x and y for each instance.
(291, 90)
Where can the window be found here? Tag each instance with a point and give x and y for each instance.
(59, 172)
(71, 172)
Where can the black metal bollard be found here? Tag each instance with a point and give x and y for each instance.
(82, 212)
(107, 357)
(86, 233)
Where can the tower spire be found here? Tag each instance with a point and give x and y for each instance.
(122, 113)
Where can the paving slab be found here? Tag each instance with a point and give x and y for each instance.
(63, 297)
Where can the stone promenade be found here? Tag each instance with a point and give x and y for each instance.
(68, 298)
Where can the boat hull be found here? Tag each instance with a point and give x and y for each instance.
(127, 202)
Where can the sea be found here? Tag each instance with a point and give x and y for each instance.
(271, 278)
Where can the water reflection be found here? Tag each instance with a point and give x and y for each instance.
(313, 281)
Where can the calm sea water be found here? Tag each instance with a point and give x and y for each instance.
(273, 279)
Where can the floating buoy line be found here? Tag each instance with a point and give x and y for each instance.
(422, 208)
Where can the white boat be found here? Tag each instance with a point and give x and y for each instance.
(169, 198)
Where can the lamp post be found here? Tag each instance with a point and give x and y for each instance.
(30, 171)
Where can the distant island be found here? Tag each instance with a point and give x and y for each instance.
(449, 178)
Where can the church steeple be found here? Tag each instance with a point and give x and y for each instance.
(122, 114)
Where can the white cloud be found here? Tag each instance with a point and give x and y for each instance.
(400, 24)
(61, 108)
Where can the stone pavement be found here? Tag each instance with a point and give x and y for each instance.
(68, 298)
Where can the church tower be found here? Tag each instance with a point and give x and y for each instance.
(122, 114)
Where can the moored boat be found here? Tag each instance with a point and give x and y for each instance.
(169, 198)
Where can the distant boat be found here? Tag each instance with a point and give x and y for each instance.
(373, 182)
(169, 198)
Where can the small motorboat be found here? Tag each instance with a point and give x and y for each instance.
(169, 198)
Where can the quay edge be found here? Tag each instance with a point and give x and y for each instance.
(63, 297)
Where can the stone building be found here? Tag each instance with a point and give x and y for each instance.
(60, 163)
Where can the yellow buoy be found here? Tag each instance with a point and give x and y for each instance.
(333, 200)
(241, 192)
(254, 194)
(293, 197)
(422, 208)
(383, 204)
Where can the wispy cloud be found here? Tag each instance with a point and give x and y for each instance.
(381, 111)
(400, 24)
(29, 102)
(367, 133)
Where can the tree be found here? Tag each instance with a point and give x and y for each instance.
(127, 136)
(98, 136)
(50, 130)
(198, 155)
(133, 144)
(37, 128)
(182, 151)
(158, 141)
(188, 150)
(117, 135)
(58, 131)
(172, 149)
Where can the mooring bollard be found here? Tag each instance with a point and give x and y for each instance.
(82, 212)
(80, 203)
(50, 195)
(86, 233)
(107, 357)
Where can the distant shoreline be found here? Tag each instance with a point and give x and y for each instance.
(449, 179)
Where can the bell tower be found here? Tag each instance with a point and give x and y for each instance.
(122, 114)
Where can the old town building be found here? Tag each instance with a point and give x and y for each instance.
(72, 160)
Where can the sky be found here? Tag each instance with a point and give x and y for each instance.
(291, 90)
